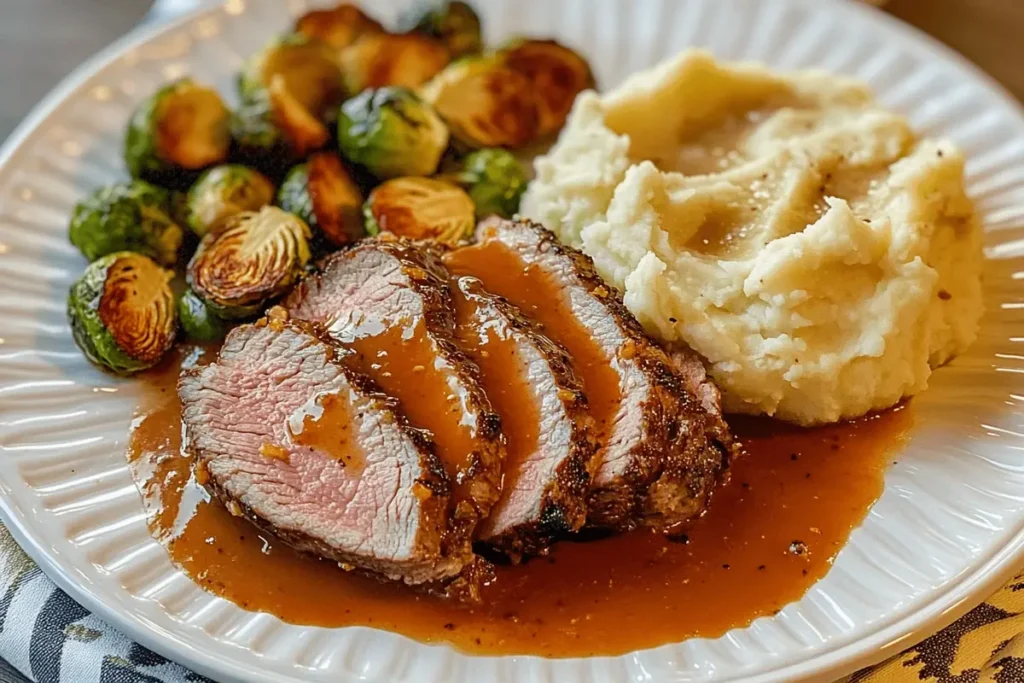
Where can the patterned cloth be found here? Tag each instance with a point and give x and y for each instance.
(50, 638)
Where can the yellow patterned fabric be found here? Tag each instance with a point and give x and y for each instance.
(984, 646)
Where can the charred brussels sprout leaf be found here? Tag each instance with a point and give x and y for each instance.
(288, 90)
(132, 216)
(421, 208)
(557, 75)
(338, 27)
(254, 258)
(223, 191)
(122, 312)
(454, 23)
(198, 320)
(181, 129)
(495, 181)
(323, 194)
(486, 104)
(377, 60)
(392, 133)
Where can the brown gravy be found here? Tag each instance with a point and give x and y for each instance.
(402, 361)
(491, 347)
(330, 432)
(529, 288)
(772, 531)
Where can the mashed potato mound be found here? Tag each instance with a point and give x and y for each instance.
(801, 238)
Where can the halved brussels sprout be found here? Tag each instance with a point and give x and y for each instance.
(323, 194)
(254, 258)
(556, 73)
(132, 216)
(198, 320)
(122, 312)
(377, 60)
(494, 180)
(452, 22)
(223, 191)
(421, 208)
(182, 128)
(338, 27)
(486, 104)
(287, 90)
(392, 132)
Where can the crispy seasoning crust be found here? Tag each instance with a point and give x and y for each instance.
(434, 480)
(564, 508)
(429, 279)
(685, 449)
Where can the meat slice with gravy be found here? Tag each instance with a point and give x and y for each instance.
(307, 449)
(661, 451)
(387, 305)
(550, 440)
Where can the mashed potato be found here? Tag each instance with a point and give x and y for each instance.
(821, 257)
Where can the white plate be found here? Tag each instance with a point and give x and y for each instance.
(948, 529)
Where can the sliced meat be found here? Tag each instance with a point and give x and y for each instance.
(659, 461)
(312, 452)
(387, 302)
(549, 434)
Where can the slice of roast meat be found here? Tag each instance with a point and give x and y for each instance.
(387, 303)
(313, 453)
(661, 452)
(550, 440)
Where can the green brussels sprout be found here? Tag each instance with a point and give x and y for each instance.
(198, 320)
(377, 60)
(392, 132)
(485, 104)
(223, 191)
(323, 194)
(288, 90)
(494, 180)
(179, 130)
(122, 312)
(452, 22)
(421, 208)
(132, 216)
(338, 27)
(556, 73)
(254, 258)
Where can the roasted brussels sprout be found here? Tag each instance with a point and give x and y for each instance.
(181, 129)
(392, 132)
(452, 22)
(338, 27)
(287, 92)
(494, 180)
(254, 258)
(486, 104)
(222, 192)
(132, 216)
(421, 208)
(323, 194)
(377, 60)
(198, 320)
(556, 74)
(122, 312)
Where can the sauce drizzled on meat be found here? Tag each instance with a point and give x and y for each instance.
(402, 361)
(772, 531)
(326, 427)
(502, 376)
(542, 299)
